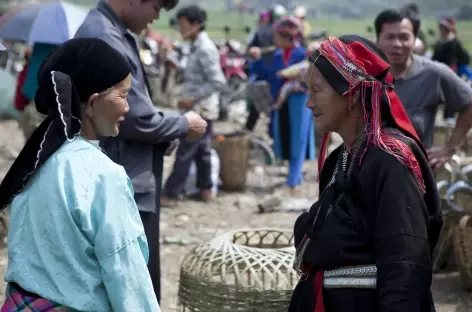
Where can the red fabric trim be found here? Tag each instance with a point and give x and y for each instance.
(317, 280)
(286, 55)
(318, 295)
(20, 100)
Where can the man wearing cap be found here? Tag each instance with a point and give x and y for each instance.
(146, 132)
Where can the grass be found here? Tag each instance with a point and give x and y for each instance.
(334, 26)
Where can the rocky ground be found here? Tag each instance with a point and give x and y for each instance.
(192, 222)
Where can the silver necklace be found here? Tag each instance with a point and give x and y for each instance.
(344, 163)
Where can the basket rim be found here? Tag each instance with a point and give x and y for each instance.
(229, 235)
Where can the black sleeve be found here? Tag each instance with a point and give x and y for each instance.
(255, 41)
(462, 54)
(299, 228)
(402, 249)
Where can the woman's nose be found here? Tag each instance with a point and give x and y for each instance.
(310, 103)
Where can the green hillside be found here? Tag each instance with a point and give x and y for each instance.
(334, 26)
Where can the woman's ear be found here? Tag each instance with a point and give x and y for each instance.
(355, 102)
(89, 105)
(356, 96)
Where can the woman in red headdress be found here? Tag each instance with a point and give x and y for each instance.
(366, 244)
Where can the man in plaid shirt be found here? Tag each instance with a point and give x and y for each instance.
(203, 79)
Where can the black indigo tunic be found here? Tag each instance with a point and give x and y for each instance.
(383, 220)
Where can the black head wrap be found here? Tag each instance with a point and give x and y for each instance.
(67, 77)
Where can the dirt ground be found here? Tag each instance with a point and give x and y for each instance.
(191, 222)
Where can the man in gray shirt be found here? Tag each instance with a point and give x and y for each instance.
(422, 84)
(145, 133)
(203, 80)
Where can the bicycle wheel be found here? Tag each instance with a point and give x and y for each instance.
(261, 159)
(261, 152)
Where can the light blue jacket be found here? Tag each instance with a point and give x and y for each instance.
(76, 237)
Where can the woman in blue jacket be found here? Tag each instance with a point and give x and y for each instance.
(291, 126)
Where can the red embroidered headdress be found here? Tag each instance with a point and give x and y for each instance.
(353, 64)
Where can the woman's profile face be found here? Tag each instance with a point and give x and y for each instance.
(106, 110)
(443, 31)
(330, 110)
(281, 40)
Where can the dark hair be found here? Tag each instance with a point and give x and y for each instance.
(194, 14)
(412, 7)
(396, 16)
(168, 4)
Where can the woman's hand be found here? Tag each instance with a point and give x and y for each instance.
(439, 155)
(278, 105)
(197, 126)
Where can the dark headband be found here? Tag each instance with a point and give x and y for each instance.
(68, 76)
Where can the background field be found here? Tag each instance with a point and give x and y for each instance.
(335, 26)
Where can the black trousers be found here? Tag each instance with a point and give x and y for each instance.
(448, 113)
(252, 118)
(151, 228)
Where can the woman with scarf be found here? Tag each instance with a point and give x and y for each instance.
(291, 125)
(366, 244)
(75, 241)
(450, 51)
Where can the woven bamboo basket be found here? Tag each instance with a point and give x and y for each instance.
(463, 250)
(450, 171)
(444, 248)
(244, 271)
(455, 202)
(466, 172)
(443, 131)
(459, 197)
(233, 150)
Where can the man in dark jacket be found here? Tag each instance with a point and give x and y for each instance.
(145, 133)
(264, 38)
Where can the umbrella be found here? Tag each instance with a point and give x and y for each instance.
(51, 23)
(7, 94)
(17, 24)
